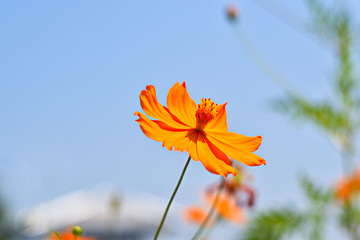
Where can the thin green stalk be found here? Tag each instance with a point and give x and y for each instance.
(57, 235)
(348, 154)
(265, 66)
(205, 222)
(171, 199)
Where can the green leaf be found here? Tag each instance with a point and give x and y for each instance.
(57, 235)
(320, 200)
(349, 218)
(323, 115)
(315, 194)
(273, 225)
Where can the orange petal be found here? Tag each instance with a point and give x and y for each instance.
(234, 149)
(181, 104)
(70, 236)
(180, 140)
(195, 214)
(154, 109)
(219, 123)
(214, 162)
(230, 211)
(217, 153)
(356, 178)
(348, 187)
(150, 128)
(343, 191)
(249, 144)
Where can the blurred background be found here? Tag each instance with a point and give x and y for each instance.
(70, 77)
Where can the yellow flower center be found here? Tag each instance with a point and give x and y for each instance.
(206, 111)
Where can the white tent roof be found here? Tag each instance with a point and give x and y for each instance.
(99, 209)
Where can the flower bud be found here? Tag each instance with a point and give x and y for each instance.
(232, 12)
(77, 231)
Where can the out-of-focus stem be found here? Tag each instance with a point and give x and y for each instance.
(348, 153)
(255, 55)
(206, 221)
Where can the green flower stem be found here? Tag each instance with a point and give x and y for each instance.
(171, 199)
(205, 222)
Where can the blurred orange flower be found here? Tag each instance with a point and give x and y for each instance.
(70, 236)
(226, 208)
(195, 214)
(348, 187)
(238, 188)
(200, 129)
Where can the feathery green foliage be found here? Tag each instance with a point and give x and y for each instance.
(315, 194)
(349, 219)
(274, 224)
(278, 224)
(319, 203)
(335, 26)
(321, 114)
(339, 117)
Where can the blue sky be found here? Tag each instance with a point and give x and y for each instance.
(71, 73)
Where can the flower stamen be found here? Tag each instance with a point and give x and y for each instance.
(206, 111)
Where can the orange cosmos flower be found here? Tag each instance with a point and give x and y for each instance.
(348, 187)
(201, 130)
(70, 236)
